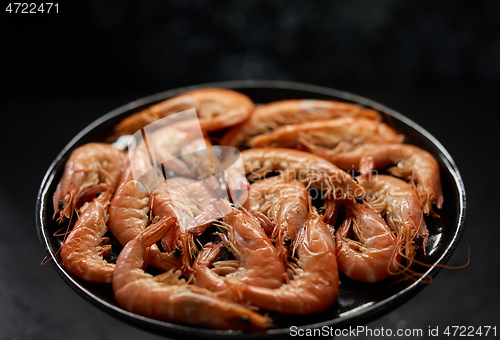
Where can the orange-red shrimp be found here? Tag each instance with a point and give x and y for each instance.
(83, 251)
(91, 168)
(310, 169)
(313, 288)
(129, 215)
(399, 203)
(366, 247)
(257, 260)
(330, 134)
(286, 205)
(167, 297)
(268, 117)
(193, 204)
(216, 109)
(412, 163)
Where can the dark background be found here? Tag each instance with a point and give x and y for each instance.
(437, 62)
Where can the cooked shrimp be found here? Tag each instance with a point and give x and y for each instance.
(310, 169)
(313, 288)
(167, 297)
(216, 109)
(329, 134)
(268, 117)
(399, 203)
(366, 246)
(285, 203)
(91, 168)
(183, 199)
(83, 251)
(413, 164)
(257, 260)
(129, 215)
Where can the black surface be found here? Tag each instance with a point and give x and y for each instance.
(435, 62)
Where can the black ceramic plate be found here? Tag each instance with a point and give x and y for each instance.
(357, 303)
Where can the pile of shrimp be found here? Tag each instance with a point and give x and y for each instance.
(284, 250)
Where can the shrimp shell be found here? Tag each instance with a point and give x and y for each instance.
(370, 255)
(258, 260)
(413, 163)
(285, 203)
(268, 117)
(82, 252)
(167, 297)
(310, 169)
(129, 216)
(315, 285)
(216, 108)
(328, 133)
(91, 168)
(399, 203)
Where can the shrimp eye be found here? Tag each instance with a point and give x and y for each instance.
(359, 200)
(61, 204)
(287, 241)
(245, 320)
(321, 210)
(419, 240)
(177, 253)
(111, 258)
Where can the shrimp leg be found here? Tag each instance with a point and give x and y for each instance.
(310, 169)
(414, 164)
(286, 205)
(167, 297)
(82, 252)
(91, 168)
(370, 255)
(315, 284)
(399, 202)
(331, 133)
(258, 264)
(268, 117)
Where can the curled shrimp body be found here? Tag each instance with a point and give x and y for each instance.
(268, 117)
(167, 297)
(286, 205)
(399, 203)
(315, 283)
(366, 246)
(414, 164)
(192, 204)
(310, 169)
(329, 134)
(91, 168)
(83, 250)
(216, 109)
(129, 216)
(257, 261)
